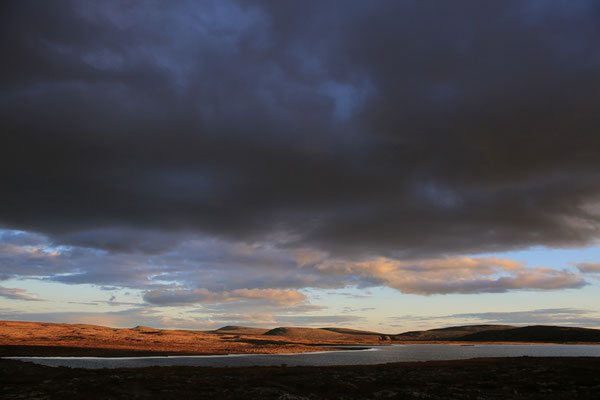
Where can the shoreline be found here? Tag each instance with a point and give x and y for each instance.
(104, 352)
(68, 351)
(142, 354)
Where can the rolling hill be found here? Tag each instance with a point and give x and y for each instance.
(333, 335)
(304, 333)
(240, 330)
(450, 333)
(34, 338)
(347, 331)
(538, 333)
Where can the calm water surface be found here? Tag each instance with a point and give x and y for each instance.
(374, 355)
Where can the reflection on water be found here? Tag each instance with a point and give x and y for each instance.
(375, 355)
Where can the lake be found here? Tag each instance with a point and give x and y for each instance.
(372, 355)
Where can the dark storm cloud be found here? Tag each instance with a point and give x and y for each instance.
(363, 128)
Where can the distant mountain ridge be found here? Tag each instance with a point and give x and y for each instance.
(333, 334)
(348, 331)
(57, 339)
(537, 333)
(241, 330)
(464, 333)
(449, 333)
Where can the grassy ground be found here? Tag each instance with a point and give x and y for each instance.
(500, 378)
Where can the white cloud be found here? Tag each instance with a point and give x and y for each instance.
(203, 296)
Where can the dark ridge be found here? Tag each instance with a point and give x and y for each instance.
(450, 333)
(538, 333)
(241, 330)
(347, 331)
(144, 328)
(233, 328)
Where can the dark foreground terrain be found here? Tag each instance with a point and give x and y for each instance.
(499, 378)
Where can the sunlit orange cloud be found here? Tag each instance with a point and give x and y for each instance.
(184, 296)
(587, 267)
(453, 275)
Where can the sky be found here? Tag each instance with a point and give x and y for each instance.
(383, 165)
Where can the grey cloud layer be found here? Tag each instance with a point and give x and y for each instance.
(233, 275)
(363, 128)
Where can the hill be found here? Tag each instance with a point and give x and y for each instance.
(34, 338)
(304, 333)
(51, 339)
(142, 328)
(450, 333)
(328, 335)
(538, 333)
(347, 331)
(240, 330)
